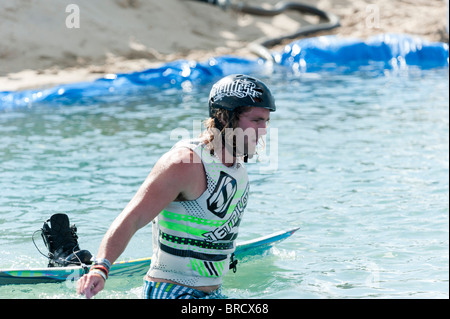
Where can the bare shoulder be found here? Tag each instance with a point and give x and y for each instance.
(183, 168)
(181, 159)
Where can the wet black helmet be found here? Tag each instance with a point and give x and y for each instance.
(238, 90)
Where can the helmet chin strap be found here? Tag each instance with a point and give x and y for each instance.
(219, 125)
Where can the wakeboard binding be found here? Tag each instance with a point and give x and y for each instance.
(61, 240)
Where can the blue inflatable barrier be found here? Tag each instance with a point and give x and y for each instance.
(329, 53)
(172, 74)
(387, 51)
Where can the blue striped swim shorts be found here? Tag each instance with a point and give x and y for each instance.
(163, 290)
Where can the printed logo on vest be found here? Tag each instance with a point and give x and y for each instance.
(225, 231)
(220, 200)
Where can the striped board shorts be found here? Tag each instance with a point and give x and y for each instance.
(163, 290)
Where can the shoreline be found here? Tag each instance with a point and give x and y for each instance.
(41, 58)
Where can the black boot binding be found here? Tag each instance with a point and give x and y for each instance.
(61, 241)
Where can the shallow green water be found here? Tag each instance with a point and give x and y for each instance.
(360, 163)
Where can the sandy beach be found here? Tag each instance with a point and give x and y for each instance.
(45, 43)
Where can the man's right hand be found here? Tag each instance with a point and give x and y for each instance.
(90, 285)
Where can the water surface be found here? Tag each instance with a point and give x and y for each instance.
(362, 168)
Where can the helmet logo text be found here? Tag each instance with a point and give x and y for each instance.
(239, 88)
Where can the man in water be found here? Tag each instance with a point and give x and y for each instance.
(195, 197)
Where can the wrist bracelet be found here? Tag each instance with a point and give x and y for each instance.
(101, 268)
(98, 272)
(103, 261)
